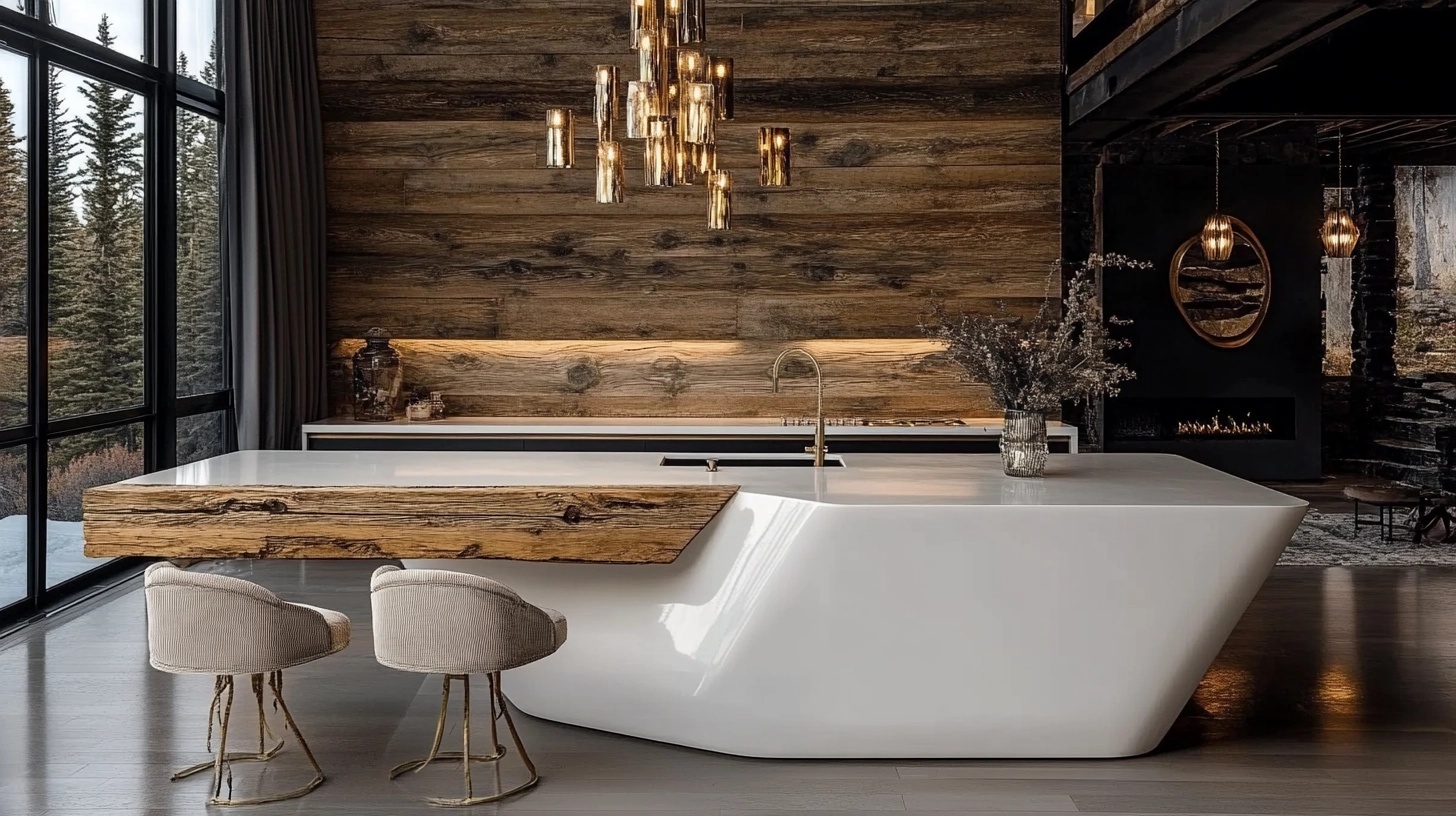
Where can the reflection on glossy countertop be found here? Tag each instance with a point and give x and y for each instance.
(866, 479)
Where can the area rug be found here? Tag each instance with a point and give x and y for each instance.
(1329, 540)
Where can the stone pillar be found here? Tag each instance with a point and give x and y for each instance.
(1373, 276)
(1373, 305)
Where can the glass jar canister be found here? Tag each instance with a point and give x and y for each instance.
(378, 379)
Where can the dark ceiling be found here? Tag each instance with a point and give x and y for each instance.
(1382, 77)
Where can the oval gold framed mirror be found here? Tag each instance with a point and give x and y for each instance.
(1225, 303)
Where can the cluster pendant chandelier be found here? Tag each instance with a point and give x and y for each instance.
(673, 107)
(1339, 233)
(1218, 231)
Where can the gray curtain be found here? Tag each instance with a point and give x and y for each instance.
(274, 229)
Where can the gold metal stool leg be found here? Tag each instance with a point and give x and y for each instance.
(225, 684)
(265, 730)
(497, 703)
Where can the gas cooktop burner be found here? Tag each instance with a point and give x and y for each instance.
(916, 423)
(897, 422)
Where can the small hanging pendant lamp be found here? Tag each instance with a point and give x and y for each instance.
(1218, 231)
(1339, 233)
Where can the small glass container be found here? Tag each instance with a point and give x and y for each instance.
(1024, 444)
(418, 409)
(437, 405)
(378, 379)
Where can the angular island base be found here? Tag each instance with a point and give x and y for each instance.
(899, 607)
(904, 608)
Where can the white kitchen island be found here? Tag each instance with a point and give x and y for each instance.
(901, 606)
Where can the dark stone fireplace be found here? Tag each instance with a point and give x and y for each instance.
(1253, 411)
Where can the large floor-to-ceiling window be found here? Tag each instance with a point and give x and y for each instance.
(113, 327)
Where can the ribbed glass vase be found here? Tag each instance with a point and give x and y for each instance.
(1024, 444)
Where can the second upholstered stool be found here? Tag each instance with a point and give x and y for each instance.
(450, 623)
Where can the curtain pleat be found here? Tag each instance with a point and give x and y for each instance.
(274, 221)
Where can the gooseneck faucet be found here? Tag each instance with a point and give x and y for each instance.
(819, 447)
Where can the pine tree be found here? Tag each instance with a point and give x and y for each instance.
(14, 258)
(65, 228)
(101, 366)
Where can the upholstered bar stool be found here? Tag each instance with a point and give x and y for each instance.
(214, 624)
(441, 622)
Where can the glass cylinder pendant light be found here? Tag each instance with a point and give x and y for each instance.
(692, 66)
(699, 117)
(648, 59)
(642, 17)
(610, 173)
(560, 138)
(775, 159)
(668, 76)
(720, 200)
(604, 103)
(1218, 231)
(720, 74)
(1339, 233)
(694, 25)
(698, 161)
(660, 157)
(641, 107)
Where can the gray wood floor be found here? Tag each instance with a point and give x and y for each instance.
(1336, 695)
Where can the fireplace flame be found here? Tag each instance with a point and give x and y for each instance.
(1220, 425)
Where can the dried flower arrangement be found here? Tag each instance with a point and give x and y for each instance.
(1063, 354)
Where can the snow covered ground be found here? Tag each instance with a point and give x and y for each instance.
(63, 555)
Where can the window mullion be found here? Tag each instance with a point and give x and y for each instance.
(37, 214)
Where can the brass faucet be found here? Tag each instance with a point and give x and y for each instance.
(818, 448)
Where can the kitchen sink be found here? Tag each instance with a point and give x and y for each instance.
(718, 462)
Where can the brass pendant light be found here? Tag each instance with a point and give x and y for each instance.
(1218, 231)
(1339, 233)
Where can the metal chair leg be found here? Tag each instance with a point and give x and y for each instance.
(265, 730)
(222, 759)
(497, 703)
(436, 755)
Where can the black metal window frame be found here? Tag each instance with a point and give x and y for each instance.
(166, 94)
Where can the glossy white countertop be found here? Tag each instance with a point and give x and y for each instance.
(654, 426)
(872, 479)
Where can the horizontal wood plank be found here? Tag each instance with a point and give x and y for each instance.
(891, 316)
(803, 101)
(423, 317)
(404, 28)
(517, 145)
(681, 378)
(849, 190)
(618, 525)
(999, 56)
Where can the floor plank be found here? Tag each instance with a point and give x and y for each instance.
(1335, 695)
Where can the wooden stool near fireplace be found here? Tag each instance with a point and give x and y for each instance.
(1387, 500)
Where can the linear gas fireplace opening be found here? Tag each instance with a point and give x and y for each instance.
(1202, 419)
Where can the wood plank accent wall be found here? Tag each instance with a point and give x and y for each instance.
(927, 145)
